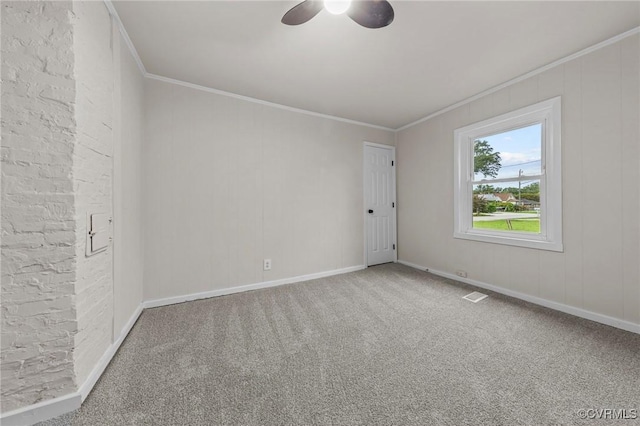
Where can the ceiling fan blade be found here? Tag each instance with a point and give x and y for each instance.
(371, 13)
(301, 13)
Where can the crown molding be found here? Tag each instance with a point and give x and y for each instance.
(146, 74)
(586, 51)
(261, 102)
(535, 72)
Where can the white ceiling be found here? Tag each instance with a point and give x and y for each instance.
(433, 55)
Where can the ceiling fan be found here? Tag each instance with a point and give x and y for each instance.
(368, 13)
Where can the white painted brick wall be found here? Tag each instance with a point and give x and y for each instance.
(38, 317)
(57, 166)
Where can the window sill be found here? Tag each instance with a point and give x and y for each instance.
(512, 239)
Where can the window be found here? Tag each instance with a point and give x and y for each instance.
(508, 187)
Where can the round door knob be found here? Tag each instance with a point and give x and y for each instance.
(370, 211)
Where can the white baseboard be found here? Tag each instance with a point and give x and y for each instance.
(97, 371)
(231, 290)
(42, 411)
(55, 407)
(579, 312)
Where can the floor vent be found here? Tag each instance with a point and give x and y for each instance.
(475, 297)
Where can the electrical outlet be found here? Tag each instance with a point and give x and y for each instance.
(267, 264)
(461, 273)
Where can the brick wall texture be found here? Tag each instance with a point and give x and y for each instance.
(38, 316)
(56, 313)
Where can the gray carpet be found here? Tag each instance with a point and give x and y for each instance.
(387, 345)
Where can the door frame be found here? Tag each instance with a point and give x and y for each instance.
(394, 226)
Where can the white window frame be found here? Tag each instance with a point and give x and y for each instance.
(548, 114)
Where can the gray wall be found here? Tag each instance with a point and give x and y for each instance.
(599, 269)
(230, 182)
(128, 221)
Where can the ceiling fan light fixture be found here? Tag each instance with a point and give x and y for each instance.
(337, 7)
(367, 13)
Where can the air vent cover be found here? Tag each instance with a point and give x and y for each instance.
(475, 297)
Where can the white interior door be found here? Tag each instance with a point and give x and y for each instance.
(379, 200)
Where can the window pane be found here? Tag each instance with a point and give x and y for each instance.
(508, 154)
(507, 206)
